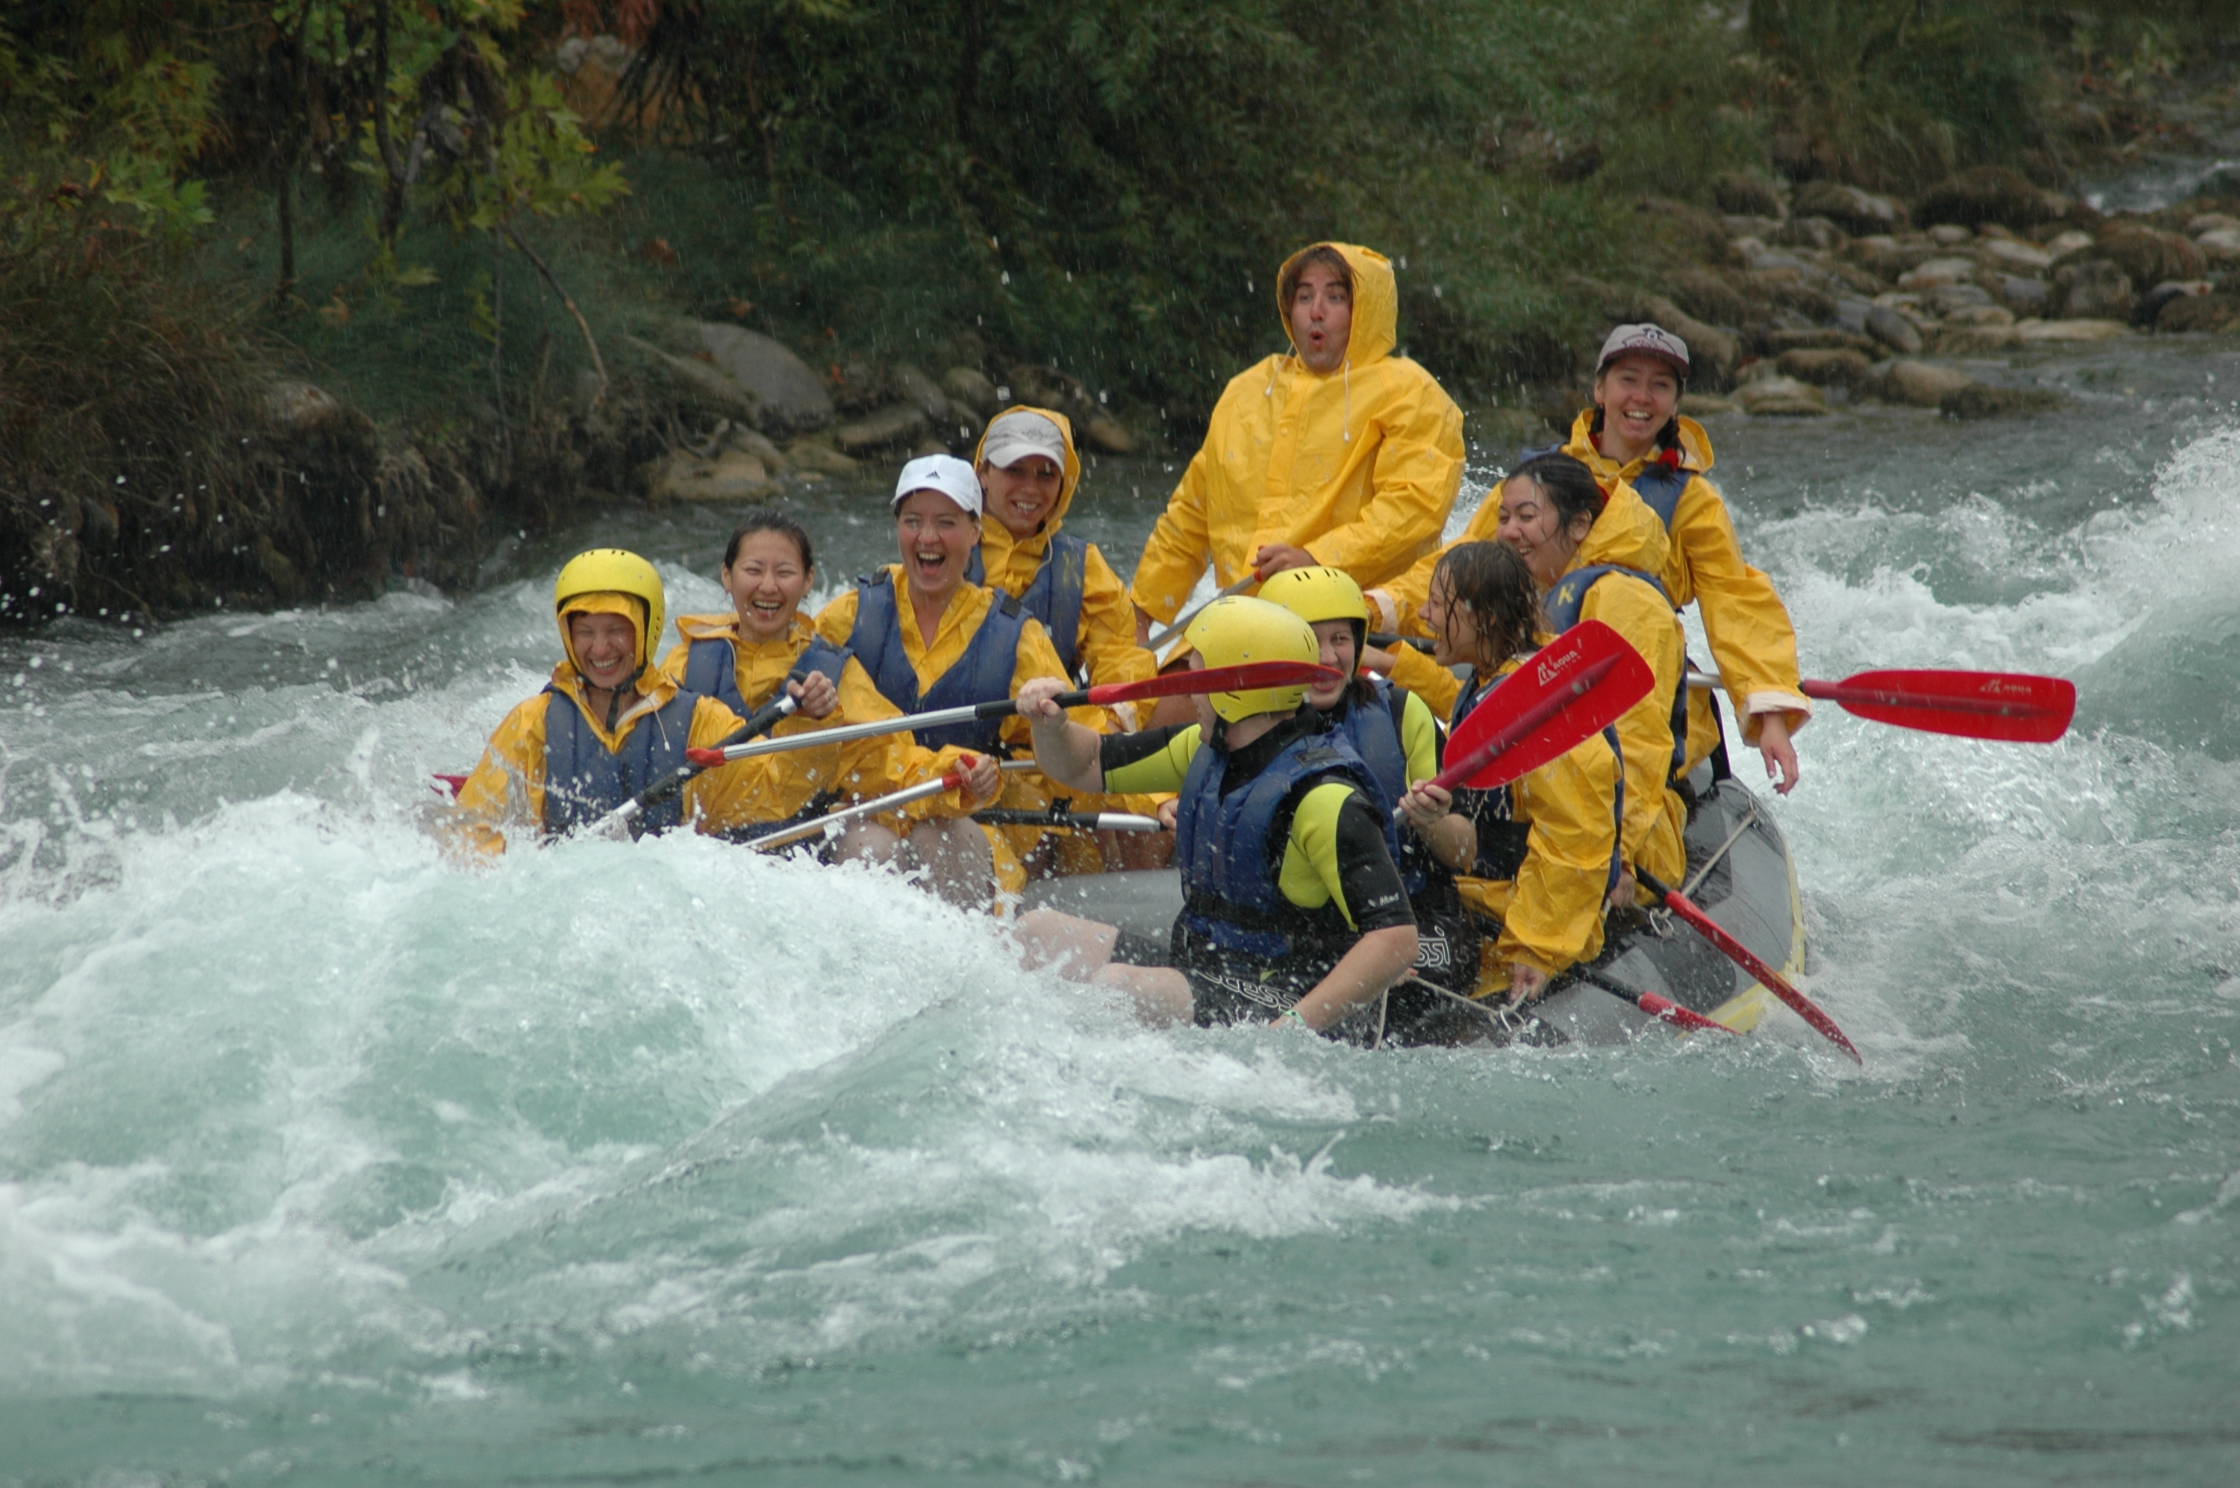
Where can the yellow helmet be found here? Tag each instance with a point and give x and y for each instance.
(1234, 630)
(1316, 594)
(610, 572)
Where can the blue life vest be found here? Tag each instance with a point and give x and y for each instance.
(583, 781)
(711, 668)
(983, 674)
(1230, 852)
(1562, 605)
(1056, 595)
(1374, 730)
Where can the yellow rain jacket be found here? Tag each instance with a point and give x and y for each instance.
(858, 769)
(1359, 467)
(505, 794)
(1551, 912)
(1753, 643)
(1628, 533)
(1106, 648)
(960, 622)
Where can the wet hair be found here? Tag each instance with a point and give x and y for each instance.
(1287, 287)
(1492, 583)
(1567, 483)
(766, 519)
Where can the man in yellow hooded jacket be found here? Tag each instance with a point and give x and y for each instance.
(1337, 452)
(607, 725)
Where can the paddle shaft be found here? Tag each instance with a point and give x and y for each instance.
(1742, 956)
(618, 822)
(1159, 640)
(1655, 1004)
(802, 831)
(1087, 821)
(1249, 675)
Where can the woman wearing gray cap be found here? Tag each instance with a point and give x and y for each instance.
(1634, 432)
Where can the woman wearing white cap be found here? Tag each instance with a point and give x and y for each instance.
(1633, 432)
(931, 638)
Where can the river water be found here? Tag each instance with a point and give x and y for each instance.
(323, 1161)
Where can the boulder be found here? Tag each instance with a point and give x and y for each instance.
(816, 457)
(2219, 312)
(2013, 256)
(1893, 329)
(1826, 367)
(915, 387)
(973, 389)
(2036, 332)
(1979, 338)
(2220, 247)
(1818, 338)
(1810, 232)
(1780, 397)
(1986, 193)
(1936, 272)
(2020, 293)
(733, 475)
(1746, 194)
(1106, 434)
(1950, 235)
(2091, 289)
(1919, 384)
(1048, 387)
(2150, 305)
(292, 407)
(753, 442)
(787, 394)
(2068, 242)
(1945, 299)
(1979, 401)
(1713, 354)
(884, 428)
(1712, 295)
(2150, 255)
(1855, 211)
(1887, 257)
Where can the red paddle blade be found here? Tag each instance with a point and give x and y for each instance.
(1742, 956)
(1241, 678)
(2011, 706)
(1666, 1010)
(1565, 693)
(449, 784)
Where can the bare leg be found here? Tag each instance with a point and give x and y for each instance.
(960, 865)
(1081, 950)
(867, 842)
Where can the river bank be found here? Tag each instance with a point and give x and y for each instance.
(1800, 300)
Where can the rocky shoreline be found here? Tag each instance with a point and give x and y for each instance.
(1797, 301)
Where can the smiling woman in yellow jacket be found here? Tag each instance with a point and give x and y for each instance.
(1337, 452)
(764, 644)
(607, 725)
(1633, 432)
(929, 638)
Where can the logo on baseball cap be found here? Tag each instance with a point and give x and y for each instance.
(947, 474)
(1645, 339)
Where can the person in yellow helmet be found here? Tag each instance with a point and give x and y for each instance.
(1029, 473)
(764, 645)
(1537, 857)
(930, 638)
(607, 726)
(1400, 741)
(1293, 907)
(1633, 431)
(1337, 452)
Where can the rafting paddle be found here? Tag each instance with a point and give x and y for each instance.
(619, 822)
(1244, 678)
(1564, 693)
(1159, 640)
(2016, 707)
(801, 831)
(1656, 1004)
(1742, 956)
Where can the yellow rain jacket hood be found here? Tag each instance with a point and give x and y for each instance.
(1007, 558)
(1358, 466)
(1753, 642)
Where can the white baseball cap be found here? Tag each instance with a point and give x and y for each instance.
(1017, 434)
(947, 474)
